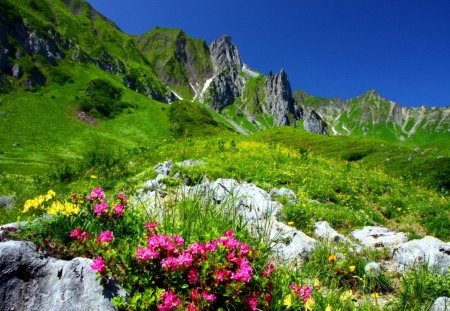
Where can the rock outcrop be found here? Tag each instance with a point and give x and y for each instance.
(36, 281)
(280, 104)
(225, 55)
(429, 250)
(226, 84)
(441, 304)
(313, 123)
(254, 205)
(379, 237)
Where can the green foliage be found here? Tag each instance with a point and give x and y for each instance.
(103, 99)
(420, 287)
(188, 119)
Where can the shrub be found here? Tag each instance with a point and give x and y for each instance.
(103, 99)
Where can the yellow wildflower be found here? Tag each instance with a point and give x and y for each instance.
(328, 308)
(332, 258)
(309, 305)
(347, 295)
(316, 283)
(291, 223)
(375, 295)
(287, 301)
(94, 177)
(352, 268)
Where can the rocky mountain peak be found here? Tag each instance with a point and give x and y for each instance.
(224, 54)
(280, 102)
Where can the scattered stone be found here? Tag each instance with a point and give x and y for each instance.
(7, 201)
(284, 192)
(190, 163)
(375, 236)
(441, 304)
(430, 250)
(164, 168)
(35, 281)
(323, 230)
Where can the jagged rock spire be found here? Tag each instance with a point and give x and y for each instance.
(224, 54)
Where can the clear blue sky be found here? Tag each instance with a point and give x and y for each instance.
(329, 48)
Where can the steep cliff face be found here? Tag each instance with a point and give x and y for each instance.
(225, 55)
(279, 101)
(226, 84)
(313, 123)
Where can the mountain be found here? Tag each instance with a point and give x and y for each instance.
(371, 115)
(37, 38)
(72, 82)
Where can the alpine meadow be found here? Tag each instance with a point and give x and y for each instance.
(162, 172)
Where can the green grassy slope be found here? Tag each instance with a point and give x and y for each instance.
(41, 127)
(178, 59)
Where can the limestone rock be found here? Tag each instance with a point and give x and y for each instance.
(35, 281)
(313, 123)
(441, 304)
(7, 201)
(428, 249)
(223, 89)
(224, 54)
(323, 230)
(375, 236)
(280, 103)
(284, 192)
(190, 162)
(164, 168)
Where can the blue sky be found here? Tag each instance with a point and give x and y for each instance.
(329, 48)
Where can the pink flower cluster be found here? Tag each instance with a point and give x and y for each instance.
(77, 234)
(228, 263)
(99, 265)
(101, 207)
(105, 237)
(170, 301)
(304, 292)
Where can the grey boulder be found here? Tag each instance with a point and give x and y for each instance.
(375, 236)
(429, 250)
(441, 304)
(35, 281)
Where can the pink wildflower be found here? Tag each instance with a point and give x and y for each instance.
(122, 198)
(76, 233)
(178, 240)
(146, 254)
(170, 263)
(192, 307)
(96, 193)
(304, 292)
(118, 209)
(193, 276)
(151, 226)
(208, 297)
(245, 271)
(99, 265)
(222, 275)
(194, 294)
(185, 259)
(252, 301)
(105, 237)
(100, 208)
(170, 301)
(229, 233)
(84, 236)
(269, 270)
